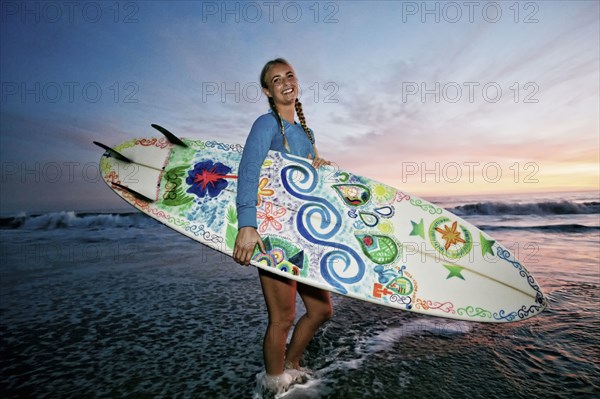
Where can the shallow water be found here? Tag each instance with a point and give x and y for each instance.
(126, 307)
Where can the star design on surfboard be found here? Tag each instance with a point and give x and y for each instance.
(418, 229)
(486, 245)
(455, 271)
(450, 235)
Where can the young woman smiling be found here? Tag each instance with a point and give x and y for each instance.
(278, 130)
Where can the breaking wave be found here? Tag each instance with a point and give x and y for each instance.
(534, 208)
(71, 219)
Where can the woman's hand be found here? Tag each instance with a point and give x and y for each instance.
(317, 162)
(245, 243)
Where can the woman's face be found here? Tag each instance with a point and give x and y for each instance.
(281, 84)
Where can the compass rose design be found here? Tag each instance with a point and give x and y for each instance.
(450, 238)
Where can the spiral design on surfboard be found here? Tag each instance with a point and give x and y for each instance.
(337, 267)
(343, 264)
(299, 177)
(318, 221)
(312, 212)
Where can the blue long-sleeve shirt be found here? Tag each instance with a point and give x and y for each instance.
(265, 135)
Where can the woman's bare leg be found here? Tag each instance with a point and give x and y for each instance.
(280, 297)
(318, 311)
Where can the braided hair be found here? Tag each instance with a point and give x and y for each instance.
(298, 104)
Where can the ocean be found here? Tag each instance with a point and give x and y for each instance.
(114, 304)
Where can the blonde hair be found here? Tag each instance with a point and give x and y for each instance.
(298, 105)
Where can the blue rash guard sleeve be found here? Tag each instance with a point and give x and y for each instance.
(265, 135)
(257, 146)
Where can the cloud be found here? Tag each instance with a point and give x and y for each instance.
(369, 58)
(387, 129)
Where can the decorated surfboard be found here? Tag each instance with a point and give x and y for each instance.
(327, 228)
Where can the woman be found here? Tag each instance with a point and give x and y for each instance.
(277, 130)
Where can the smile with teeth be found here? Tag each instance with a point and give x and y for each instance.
(287, 91)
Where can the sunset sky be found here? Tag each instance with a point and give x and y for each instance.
(434, 98)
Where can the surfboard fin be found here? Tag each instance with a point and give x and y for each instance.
(170, 136)
(113, 153)
(133, 192)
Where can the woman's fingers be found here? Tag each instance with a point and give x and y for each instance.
(261, 245)
(245, 254)
(248, 251)
(245, 243)
(318, 162)
(322, 162)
